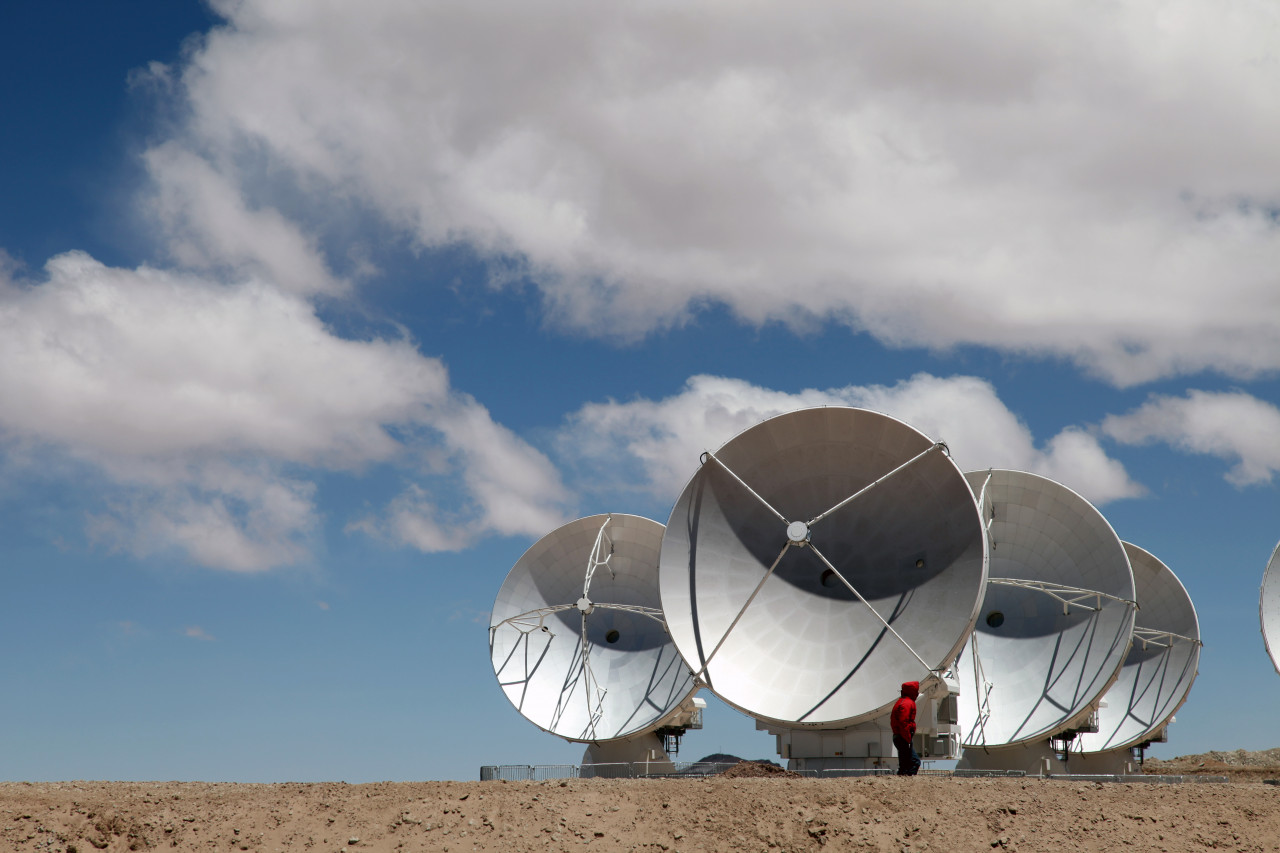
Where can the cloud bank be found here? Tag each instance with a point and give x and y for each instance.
(1094, 182)
(1083, 181)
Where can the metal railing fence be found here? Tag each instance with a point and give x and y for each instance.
(637, 770)
(697, 769)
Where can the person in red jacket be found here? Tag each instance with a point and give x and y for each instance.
(902, 719)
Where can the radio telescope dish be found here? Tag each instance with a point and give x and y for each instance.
(1269, 608)
(819, 559)
(1058, 614)
(1161, 665)
(577, 638)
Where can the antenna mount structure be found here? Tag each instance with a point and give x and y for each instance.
(817, 560)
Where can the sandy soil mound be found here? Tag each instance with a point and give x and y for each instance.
(751, 814)
(757, 769)
(1240, 765)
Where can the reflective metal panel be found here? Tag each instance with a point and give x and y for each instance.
(819, 559)
(1269, 607)
(1161, 665)
(1057, 618)
(576, 636)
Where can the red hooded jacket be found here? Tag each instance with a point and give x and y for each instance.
(902, 719)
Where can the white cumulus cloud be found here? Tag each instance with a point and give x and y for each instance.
(1229, 425)
(208, 225)
(210, 407)
(655, 445)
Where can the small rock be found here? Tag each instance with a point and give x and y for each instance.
(353, 840)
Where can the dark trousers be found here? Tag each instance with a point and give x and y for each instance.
(908, 761)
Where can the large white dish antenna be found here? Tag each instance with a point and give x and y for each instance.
(1269, 608)
(577, 638)
(818, 560)
(1058, 615)
(1161, 665)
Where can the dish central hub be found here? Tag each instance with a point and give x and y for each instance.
(798, 532)
(585, 605)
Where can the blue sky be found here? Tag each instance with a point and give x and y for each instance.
(314, 317)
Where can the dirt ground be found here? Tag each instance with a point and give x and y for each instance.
(767, 813)
(1240, 765)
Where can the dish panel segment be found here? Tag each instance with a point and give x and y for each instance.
(588, 661)
(1269, 607)
(1057, 618)
(819, 559)
(1161, 666)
